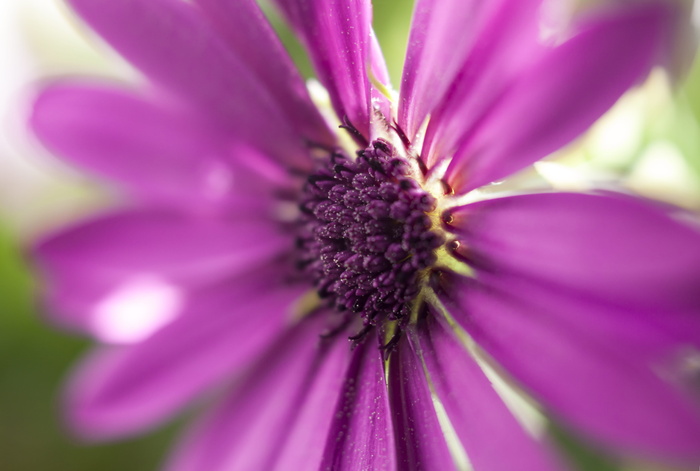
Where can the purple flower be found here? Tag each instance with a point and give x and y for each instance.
(351, 298)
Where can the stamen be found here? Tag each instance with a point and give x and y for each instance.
(354, 132)
(365, 235)
(390, 346)
(402, 135)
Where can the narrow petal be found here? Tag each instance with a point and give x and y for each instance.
(174, 45)
(337, 35)
(590, 302)
(242, 24)
(124, 390)
(490, 434)
(420, 442)
(306, 437)
(265, 400)
(561, 95)
(591, 382)
(380, 101)
(159, 153)
(443, 35)
(361, 436)
(611, 247)
(285, 403)
(506, 41)
(88, 267)
(430, 67)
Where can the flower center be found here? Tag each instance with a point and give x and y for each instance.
(365, 235)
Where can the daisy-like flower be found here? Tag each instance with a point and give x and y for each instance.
(360, 297)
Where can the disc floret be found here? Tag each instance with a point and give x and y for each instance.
(366, 234)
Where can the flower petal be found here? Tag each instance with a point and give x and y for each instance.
(306, 437)
(159, 153)
(508, 39)
(561, 95)
(175, 46)
(379, 99)
(91, 263)
(338, 37)
(490, 434)
(420, 442)
(611, 247)
(588, 380)
(468, 28)
(124, 390)
(242, 24)
(361, 436)
(590, 302)
(265, 399)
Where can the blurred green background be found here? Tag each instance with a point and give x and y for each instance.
(656, 151)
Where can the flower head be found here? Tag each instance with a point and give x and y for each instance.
(361, 297)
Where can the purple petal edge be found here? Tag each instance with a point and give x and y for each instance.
(561, 95)
(361, 436)
(493, 439)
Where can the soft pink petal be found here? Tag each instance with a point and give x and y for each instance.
(443, 35)
(611, 247)
(420, 442)
(561, 95)
(87, 264)
(492, 438)
(361, 435)
(124, 390)
(337, 35)
(157, 152)
(242, 24)
(246, 430)
(590, 381)
(173, 43)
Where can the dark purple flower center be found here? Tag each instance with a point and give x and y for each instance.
(365, 235)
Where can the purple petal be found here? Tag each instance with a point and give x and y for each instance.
(93, 265)
(561, 95)
(361, 436)
(306, 437)
(266, 401)
(507, 39)
(380, 102)
(337, 35)
(588, 301)
(124, 390)
(490, 434)
(242, 24)
(443, 34)
(176, 46)
(592, 382)
(610, 247)
(420, 442)
(157, 152)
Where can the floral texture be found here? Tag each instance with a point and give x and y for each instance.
(348, 288)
